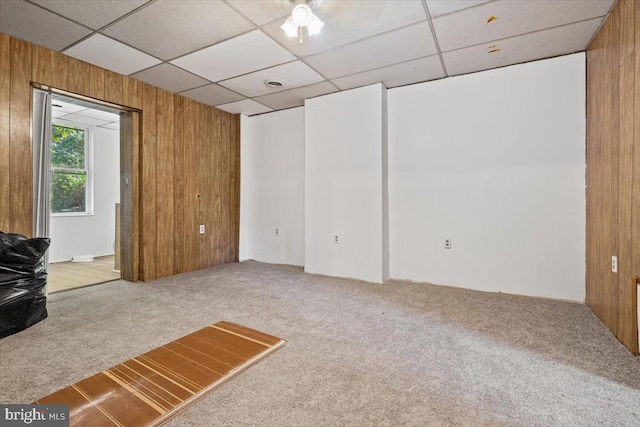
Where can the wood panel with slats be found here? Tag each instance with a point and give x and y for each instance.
(155, 386)
(613, 142)
(173, 135)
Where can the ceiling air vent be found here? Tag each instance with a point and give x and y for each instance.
(275, 84)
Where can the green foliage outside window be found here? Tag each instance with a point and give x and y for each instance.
(69, 180)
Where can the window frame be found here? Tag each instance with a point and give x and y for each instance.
(88, 167)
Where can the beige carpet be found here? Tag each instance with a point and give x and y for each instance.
(69, 275)
(358, 354)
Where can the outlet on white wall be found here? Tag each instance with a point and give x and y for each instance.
(336, 239)
(614, 264)
(202, 229)
(447, 243)
(277, 232)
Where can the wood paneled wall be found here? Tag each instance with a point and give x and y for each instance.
(187, 167)
(613, 171)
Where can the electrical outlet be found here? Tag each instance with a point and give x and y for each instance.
(202, 229)
(614, 264)
(277, 232)
(447, 243)
(336, 239)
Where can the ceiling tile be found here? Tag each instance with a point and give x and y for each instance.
(99, 114)
(528, 47)
(418, 70)
(262, 12)
(293, 74)
(401, 45)
(92, 13)
(349, 20)
(469, 27)
(248, 107)
(112, 126)
(212, 95)
(36, 25)
(112, 55)
(65, 107)
(82, 120)
(442, 7)
(240, 55)
(170, 77)
(171, 28)
(295, 97)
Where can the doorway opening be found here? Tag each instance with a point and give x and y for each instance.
(83, 181)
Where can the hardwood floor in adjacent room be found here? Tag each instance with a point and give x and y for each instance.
(69, 275)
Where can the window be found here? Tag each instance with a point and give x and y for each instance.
(70, 178)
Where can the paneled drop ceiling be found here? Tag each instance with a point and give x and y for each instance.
(74, 112)
(221, 52)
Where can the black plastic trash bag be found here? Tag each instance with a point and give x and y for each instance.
(23, 278)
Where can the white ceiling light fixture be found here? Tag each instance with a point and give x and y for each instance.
(302, 16)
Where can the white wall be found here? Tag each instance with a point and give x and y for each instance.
(272, 187)
(493, 160)
(496, 162)
(344, 184)
(92, 234)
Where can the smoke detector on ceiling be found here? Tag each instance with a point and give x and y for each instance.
(275, 84)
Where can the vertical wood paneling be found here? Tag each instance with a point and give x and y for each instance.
(5, 93)
(216, 213)
(164, 189)
(635, 206)
(114, 87)
(614, 89)
(605, 176)
(219, 175)
(206, 186)
(132, 92)
(235, 194)
(179, 180)
(192, 185)
(96, 82)
(590, 236)
(127, 135)
(612, 147)
(182, 161)
(636, 151)
(21, 165)
(224, 202)
(50, 68)
(135, 193)
(624, 247)
(148, 166)
(79, 77)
